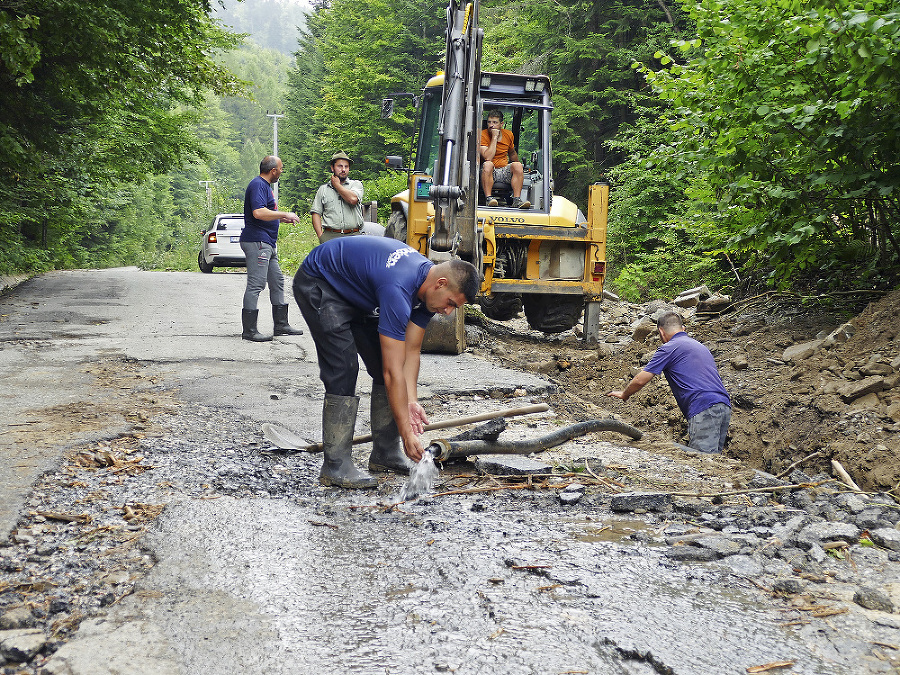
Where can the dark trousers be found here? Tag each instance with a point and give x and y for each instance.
(342, 333)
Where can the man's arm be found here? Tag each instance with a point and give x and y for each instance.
(639, 380)
(265, 213)
(344, 191)
(317, 224)
(394, 355)
(488, 151)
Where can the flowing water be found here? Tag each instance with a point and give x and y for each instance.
(421, 478)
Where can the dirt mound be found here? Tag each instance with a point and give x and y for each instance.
(803, 382)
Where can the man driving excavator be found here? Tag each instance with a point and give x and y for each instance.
(500, 161)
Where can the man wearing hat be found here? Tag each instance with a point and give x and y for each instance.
(337, 209)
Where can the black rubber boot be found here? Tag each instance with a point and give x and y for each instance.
(248, 319)
(387, 448)
(338, 422)
(282, 327)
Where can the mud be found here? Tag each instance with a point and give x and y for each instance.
(784, 410)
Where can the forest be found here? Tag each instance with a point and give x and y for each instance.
(749, 144)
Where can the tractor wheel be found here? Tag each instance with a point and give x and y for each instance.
(396, 227)
(552, 313)
(501, 306)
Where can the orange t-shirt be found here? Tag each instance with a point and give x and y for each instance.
(504, 143)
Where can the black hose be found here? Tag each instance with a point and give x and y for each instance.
(444, 449)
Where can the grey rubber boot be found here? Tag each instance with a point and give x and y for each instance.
(282, 327)
(338, 422)
(248, 320)
(387, 448)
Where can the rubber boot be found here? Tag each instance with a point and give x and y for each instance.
(387, 448)
(282, 327)
(338, 422)
(248, 319)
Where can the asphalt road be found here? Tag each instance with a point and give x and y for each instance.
(322, 581)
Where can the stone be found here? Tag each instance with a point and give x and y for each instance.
(567, 498)
(686, 301)
(872, 598)
(800, 352)
(20, 617)
(744, 565)
(876, 369)
(886, 537)
(691, 554)
(826, 532)
(716, 303)
(789, 585)
(740, 363)
(644, 328)
(646, 501)
(722, 546)
(510, 465)
(762, 479)
(21, 645)
(854, 390)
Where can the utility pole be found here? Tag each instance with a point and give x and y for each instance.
(208, 184)
(275, 117)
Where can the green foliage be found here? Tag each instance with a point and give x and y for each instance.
(344, 67)
(788, 114)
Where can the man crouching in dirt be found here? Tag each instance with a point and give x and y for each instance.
(691, 371)
(374, 296)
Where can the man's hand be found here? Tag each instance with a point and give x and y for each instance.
(335, 181)
(413, 448)
(618, 394)
(496, 133)
(290, 217)
(417, 418)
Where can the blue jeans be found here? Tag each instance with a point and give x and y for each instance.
(707, 429)
(262, 268)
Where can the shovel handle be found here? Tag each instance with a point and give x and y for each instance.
(458, 422)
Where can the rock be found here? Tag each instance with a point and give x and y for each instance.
(886, 537)
(839, 335)
(801, 351)
(762, 479)
(744, 565)
(567, 498)
(510, 465)
(685, 301)
(722, 546)
(872, 598)
(691, 554)
(644, 328)
(21, 645)
(740, 363)
(854, 390)
(640, 501)
(825, 533)
(609, 295)
(21, 617)
(789, 585)
(876, 369)
(715, 304)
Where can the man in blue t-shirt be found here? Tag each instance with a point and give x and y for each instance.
(372, 297)
(691, 371)
(259, 241)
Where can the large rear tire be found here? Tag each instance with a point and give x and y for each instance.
(501, 306)
(552, 313)
(396, 227)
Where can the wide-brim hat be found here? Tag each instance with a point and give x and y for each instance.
(340, 154)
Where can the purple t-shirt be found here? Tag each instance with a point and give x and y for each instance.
(379, 275)
(259, 195)
(691, 372)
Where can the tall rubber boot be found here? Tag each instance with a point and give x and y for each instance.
(338, 422)
(282, 327)
(248, 319)
(387, 447)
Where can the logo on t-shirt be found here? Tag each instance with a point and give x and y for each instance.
(397, 256)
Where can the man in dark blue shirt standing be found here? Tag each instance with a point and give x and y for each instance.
(259, 241)
(691, 372)
(372, 298)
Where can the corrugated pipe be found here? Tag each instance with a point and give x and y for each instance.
(443, 449)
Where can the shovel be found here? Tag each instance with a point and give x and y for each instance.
(287, 440)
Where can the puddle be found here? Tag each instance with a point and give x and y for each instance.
(612, 531)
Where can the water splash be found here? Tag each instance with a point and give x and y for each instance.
(421, 477)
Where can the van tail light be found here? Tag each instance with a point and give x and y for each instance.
(212, 238)
(599, 270)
